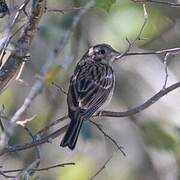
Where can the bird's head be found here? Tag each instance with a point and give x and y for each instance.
(102, 53)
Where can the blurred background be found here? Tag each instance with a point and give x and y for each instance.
(151, 139)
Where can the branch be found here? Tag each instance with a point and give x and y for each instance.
(163, 51)
(133, 111)
(143, 106)
(5, 176)
(41, 140)
(24, 172)
(102, 168)
(36, 162)
(59, 88)
(39, 83)
(45, 129)
(53, 135)
(37, 169)
(63, 11)
(172, 4)
(120, 148)
(138, 37)
(9, 31)
(14, 61)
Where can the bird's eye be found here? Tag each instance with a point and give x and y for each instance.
(102, 51)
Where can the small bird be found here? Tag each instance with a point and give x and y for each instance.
(91, 86)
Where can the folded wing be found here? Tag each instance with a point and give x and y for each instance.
(89, 89)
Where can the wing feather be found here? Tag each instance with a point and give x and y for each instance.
(89, 89)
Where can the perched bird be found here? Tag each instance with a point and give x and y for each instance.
(90, 87)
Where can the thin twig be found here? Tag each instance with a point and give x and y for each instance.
(52, 124)
(59, 88)
(26, 171)
(172, 4)
(9, 36)
(120, 148)
(72, 9)
(8, 39)
(42, 139)
(34, 138)
(39, 169)
(163, 51)
(143, 106)
(5, 176)
(13, 63)
(166, 69)
(55, 166)
(2, 112)
(34, 164)
(39, 83)
(138, 37)
(131, 112)
(102, 168)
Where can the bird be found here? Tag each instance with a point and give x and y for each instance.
(91, 86)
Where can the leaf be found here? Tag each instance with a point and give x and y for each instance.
(105, 4)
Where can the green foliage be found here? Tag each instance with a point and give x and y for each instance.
(51, 75)
(156, 136)
(82, 170)
(39, 122)
(7, 99)
(125, 21)
(105, 4)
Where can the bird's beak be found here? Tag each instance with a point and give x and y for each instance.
(116, 55)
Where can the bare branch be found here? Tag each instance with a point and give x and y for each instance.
(26, 171)
(2, 113)
(39, 83)
(9, 69)
(120, 148)
(41, 140)
(172, 4)
(138, 37)
(9, 32)
(59, 88)
(34, 164)
(5, 176)
(34, 138)
(15, 59)
(133, 111)
(52, 124)
(102, 168)
(163, 51)
(39, 169)
(63, 11)
(143, 106)
(166, 69)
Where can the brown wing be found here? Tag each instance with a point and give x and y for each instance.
(89, 89)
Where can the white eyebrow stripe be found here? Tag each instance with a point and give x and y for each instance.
(91, 51)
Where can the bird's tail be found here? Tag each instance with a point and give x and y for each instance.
(72, 133)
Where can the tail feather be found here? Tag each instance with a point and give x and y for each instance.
(72, 134)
